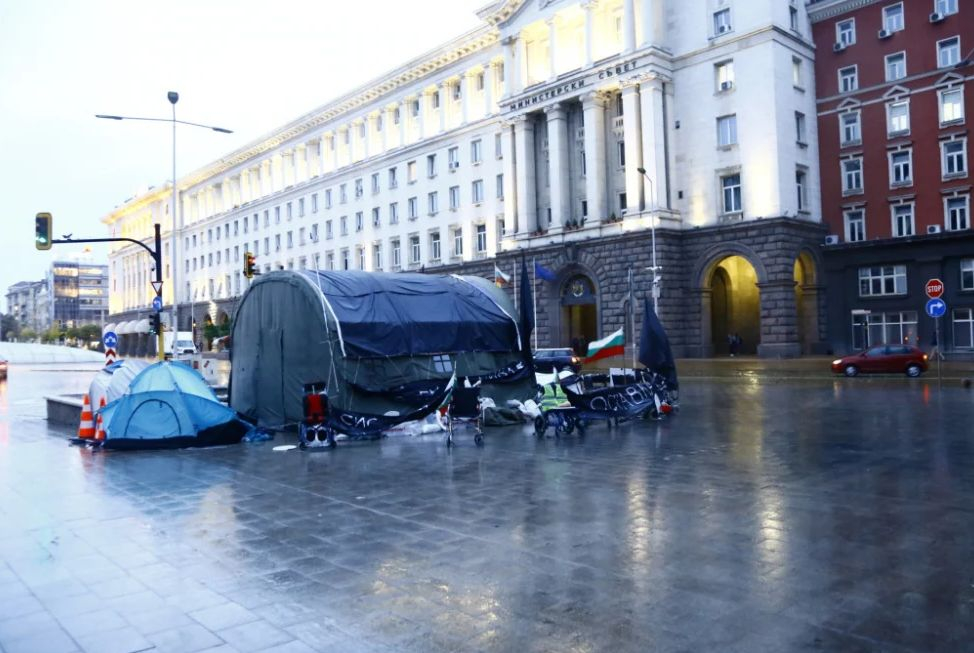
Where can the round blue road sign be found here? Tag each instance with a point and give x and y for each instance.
(157, 303)
(936, 307)
(110, 340)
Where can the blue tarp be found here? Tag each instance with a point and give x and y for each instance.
(413, 314)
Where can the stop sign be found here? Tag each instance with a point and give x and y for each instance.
(935, 288)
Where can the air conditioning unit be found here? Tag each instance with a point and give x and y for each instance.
(832, 239)
(454, 165)
(723, 28)
(883, 34)
(726, 86)
(839, 46)
(936, 17)
(933, 229)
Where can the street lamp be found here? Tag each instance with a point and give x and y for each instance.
(655, 268)
(173, 97)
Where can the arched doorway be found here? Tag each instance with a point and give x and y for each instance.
(806, 302)
(579, 312)
(735, 306)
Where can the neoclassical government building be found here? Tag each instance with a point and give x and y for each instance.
(562, 131)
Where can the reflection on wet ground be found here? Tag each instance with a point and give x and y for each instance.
(824, 515)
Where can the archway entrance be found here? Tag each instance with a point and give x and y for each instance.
(735, 306)
(806, 302)
(579, 313)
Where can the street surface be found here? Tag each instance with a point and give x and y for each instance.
(775, 513)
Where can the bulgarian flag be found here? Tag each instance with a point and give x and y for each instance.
(611, 345)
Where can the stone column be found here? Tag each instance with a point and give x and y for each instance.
(386, 116)
(490, 77)
(654, 153)
(424, 100)
(335, 140)
(628, 26)
(509, 66)
(589, 7)
(527, 201)
(403, 119)
(465, 92)
(648, 7)
(633, 145)
(779, 318)
(368, 140)
(352, 145)
(510, 188)
(558, 160)
(553, 46)
(444, 98)
(593, 106)
(313, 150)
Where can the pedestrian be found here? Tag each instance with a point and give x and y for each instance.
(738, 343)
(732, 344)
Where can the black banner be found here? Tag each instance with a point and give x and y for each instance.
(513, 372)
(358, 425)
(621, 401)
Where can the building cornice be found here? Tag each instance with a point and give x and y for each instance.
(138, 203)
(831, 8)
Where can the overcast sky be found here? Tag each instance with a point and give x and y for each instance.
(247, 65)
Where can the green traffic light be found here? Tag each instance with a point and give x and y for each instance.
(43, 226)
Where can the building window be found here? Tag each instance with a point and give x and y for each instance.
(898, 118)
(621, 147)
(376, 217)
(277, 217)
(845, 32)
(797, 77)
(377, 257)
(855, 225)
(963, 328)
(359, 221)
(499, 187)
(957, 213)
(414, 105)
(432, 199)
(395, 252)
(328, 198)
(800, 128)
(277, 243)
(948, 52)
(342, 194)
(375, 183)
(453, 158)
(476, 154)
(731, 190)
(722, 22)
(290, 240)
(290, 213)
(412, 206)
(954, 157)
(726, 131)
(882, 280)
(967, 274)
(623, 202)
(901, 168)
(328, 230)
(852, 175)
(343, 223)
(435, 246)
(431, 165)
(314, 233)
(895, 66)
(393, 179)
(314, 207)
(893, 18)
(499, 146)
(801, 190)
(793, 18)
(848, 79)
(881, 328)
(945, 7)
(851, 132)
(346, 265)
(360, 255)
(951, 106)
(414, 249)
(394, 213)
(454, 198)
(458, 242)
(411, 172)
(477, 189)
(903, 220)
(481, 238)
(724, 75)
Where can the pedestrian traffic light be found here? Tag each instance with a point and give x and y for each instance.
(42, 231)
(155, 324)
(250, 265)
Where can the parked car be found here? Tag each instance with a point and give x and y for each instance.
(3, 368)
(888, 359)
(551, 360)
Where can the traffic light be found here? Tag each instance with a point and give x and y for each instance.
(155, 324)
(42, 230)
(250, 265)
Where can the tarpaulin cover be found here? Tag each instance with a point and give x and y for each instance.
(112, 381)
(413, 314)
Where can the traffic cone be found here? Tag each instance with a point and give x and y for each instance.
(86, 429)
(100, 431)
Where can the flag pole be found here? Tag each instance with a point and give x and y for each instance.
(632, 320)
(534, 300)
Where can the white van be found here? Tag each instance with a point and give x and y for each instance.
(184, 343)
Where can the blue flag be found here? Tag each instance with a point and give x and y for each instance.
(526, 301)
(543, 272)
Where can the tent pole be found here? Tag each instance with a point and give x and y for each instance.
(534, 299)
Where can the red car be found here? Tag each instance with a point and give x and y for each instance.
(888, 359)
(3, 368)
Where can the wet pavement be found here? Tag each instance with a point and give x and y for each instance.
(772, 514)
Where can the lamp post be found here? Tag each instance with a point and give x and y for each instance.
(655, 268)
(173, 97)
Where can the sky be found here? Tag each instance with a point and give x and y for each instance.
(245, 65)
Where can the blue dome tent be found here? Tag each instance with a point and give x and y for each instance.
(169, 405)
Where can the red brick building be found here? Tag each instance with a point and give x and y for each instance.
(895, 87)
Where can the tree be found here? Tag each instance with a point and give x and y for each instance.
(28, 335)
(9, 327)
(89, 333)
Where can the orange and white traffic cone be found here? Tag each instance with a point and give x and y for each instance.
(100, 431)
(86, 429)
(101, 403)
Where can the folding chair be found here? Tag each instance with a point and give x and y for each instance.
(465, 408)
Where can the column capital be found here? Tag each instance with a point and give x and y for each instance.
(555, 111)
(595, 98)
(509, 40)
(520, 120)
(589, 5)
(629, 85)
(653, 79)
(553, 21)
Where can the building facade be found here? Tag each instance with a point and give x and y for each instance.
(27, 302)
(894, 92)
(571, 133)
(78, 292)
